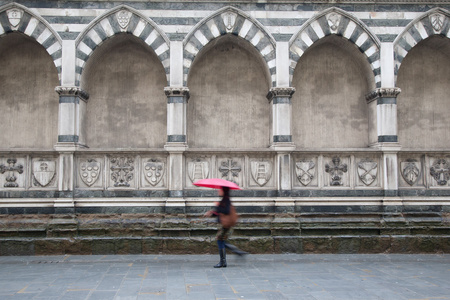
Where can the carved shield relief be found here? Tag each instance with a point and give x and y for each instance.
(261, 171)
(305, 171)
(410, 170)
(90, 171)
(43, 172)
(198, 169)
(14, 16)
(367, 171)
(154, 171)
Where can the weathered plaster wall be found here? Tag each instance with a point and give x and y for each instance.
(228, 106)
(127, 105)
(423, 104)
(329, 108)
(29, 103)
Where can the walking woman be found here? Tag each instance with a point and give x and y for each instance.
(223, 207)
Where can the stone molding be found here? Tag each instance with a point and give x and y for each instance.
(72, 91)
(177, 92)
(280, 92)
(383, 93)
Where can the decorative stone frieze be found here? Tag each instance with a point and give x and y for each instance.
(285, 92)
(383, 93)
(72, 91)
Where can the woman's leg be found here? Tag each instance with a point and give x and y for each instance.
(222, 235)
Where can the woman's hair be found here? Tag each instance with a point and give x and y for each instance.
(226, 195)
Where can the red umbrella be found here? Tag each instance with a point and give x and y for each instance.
(217, 183)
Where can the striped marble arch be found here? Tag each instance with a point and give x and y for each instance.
(121, 19)
(229, 20)
(434, 22)
(339, 22)
(18, 18)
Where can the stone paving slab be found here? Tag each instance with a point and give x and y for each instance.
(178, 277)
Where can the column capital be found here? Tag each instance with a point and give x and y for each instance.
(285, 92)
(72, 91)
(383, 93)
(181, 91)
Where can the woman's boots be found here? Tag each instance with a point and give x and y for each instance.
(223, 259)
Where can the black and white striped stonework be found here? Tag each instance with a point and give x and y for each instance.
(418, 30)
(107, 25)
(336, 21)
(229, 20)
(35, 27)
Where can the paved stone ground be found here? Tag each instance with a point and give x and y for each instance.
(177, 277)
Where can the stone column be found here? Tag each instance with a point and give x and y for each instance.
(72, 108)
(281, 114)
(177, 98)
(386, 107)
(281, 135)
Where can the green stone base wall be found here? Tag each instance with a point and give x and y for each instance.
(414, 231)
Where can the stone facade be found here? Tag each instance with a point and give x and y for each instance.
(332, 117)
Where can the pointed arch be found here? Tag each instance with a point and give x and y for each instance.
(339, 22)
(117, 20)
(18, 18)
(434, 22)
(229, 20)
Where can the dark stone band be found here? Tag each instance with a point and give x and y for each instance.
(387, 100)
(68, 138)
(176, 138)
(387, 139)
(69, 99)
(282, 138)
(281, 100)
(176, 99)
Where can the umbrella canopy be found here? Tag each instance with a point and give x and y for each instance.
(217, 183)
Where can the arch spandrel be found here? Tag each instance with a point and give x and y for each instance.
(434, 22)
(230, 20)
(121, 19)
(336, 21)
(18, 18)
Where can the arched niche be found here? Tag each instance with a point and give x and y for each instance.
(424, 103)
(329, 107)
(29, 103)
(127, 105)
(228, 106)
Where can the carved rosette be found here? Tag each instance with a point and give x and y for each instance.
(285, 92)
(440, 170)
(383, 93)
(230, 169)
(336, 169)
(72, 91)
(122, 171)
